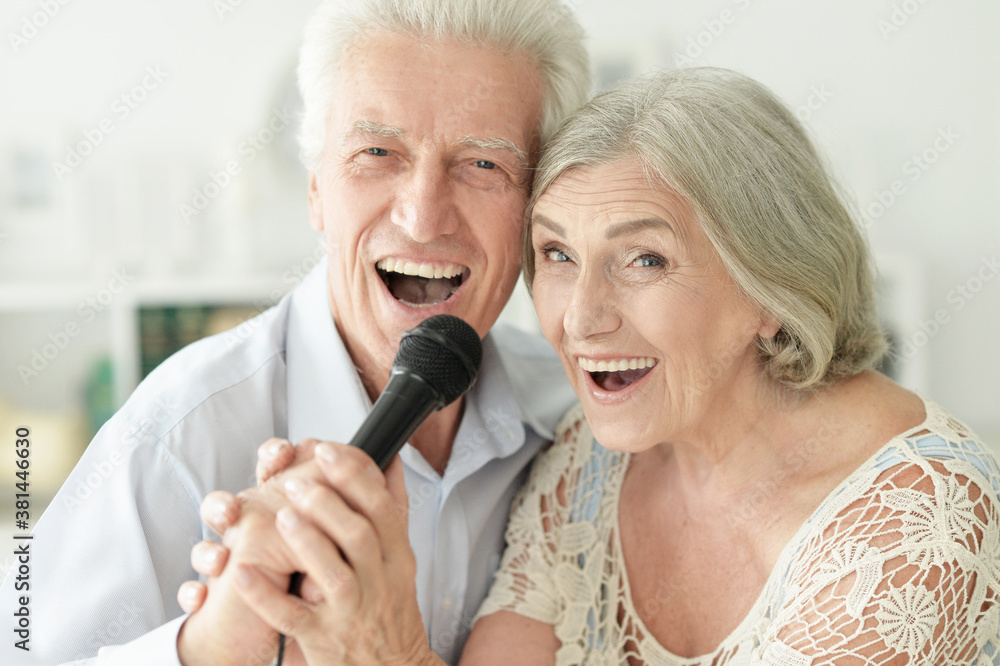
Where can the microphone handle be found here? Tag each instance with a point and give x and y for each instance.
(403, 405)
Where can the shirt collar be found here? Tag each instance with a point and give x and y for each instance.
(326, 399)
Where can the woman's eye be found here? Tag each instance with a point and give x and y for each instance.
(486, 164)
(648, 261)
(378, 152)
(556, 255)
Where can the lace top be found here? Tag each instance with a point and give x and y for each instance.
(902, 558)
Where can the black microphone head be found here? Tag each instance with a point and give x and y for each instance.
(445, 351)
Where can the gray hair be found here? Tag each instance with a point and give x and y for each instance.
(545, 30)
(763, 197)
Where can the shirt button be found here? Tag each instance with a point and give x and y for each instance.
(447, 602)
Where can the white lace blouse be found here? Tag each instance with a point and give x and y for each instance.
(902, 558)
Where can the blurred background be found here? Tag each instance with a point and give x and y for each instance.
(150, 192)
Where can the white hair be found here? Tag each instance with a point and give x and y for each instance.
(547, 31)
(763, 197)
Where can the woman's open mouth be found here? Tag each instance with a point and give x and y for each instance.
(421, 285)
(616, 374)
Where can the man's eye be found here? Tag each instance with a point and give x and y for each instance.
(556, 255)
(486, 164)
(378, 152)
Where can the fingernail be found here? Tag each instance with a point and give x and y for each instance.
(288, 518)
(207, 553)
(274, 448)
(295, 488)
(327, 453)
(218, 513)
(188, 595)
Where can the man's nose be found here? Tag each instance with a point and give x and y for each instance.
(424, 206)
(591, 311)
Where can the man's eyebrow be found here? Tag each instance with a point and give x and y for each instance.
(552, 226)
(497, 143)
(630, 226)
(370, 127)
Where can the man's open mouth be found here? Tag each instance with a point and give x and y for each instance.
(421, 285)
(617, 374)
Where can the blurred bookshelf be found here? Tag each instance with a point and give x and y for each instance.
(80, 380)
(165, 329)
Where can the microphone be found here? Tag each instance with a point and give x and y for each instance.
(437, 362)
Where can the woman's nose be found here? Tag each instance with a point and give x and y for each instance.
(591, 311)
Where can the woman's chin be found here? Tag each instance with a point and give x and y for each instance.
(616, 435)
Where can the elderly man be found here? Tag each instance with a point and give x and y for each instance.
(422, 122)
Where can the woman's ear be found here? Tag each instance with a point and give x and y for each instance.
(769, 326)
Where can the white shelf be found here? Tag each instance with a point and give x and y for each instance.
(123, 308)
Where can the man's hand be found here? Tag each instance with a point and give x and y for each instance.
(348, 532)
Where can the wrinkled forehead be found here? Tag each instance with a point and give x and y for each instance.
(453, 87)
(613, 183)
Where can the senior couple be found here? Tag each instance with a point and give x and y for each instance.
(735, 484)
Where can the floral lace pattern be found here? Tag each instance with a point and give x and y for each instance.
(899, 564)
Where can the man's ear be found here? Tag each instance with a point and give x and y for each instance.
(315, 204)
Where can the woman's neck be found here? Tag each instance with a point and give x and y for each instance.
(755, 432)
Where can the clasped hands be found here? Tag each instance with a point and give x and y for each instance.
(331, 515)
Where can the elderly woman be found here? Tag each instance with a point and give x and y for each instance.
(740, 486)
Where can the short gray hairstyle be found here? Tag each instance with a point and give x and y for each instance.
(545, 30)
(763, 197)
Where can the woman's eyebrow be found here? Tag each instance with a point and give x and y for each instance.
(543, 221)
(630, 226)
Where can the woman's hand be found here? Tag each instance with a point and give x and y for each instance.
(349, 535)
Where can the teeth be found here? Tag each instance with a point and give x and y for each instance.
(429, 271)
(590, 365)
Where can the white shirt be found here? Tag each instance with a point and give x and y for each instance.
(108, 555)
